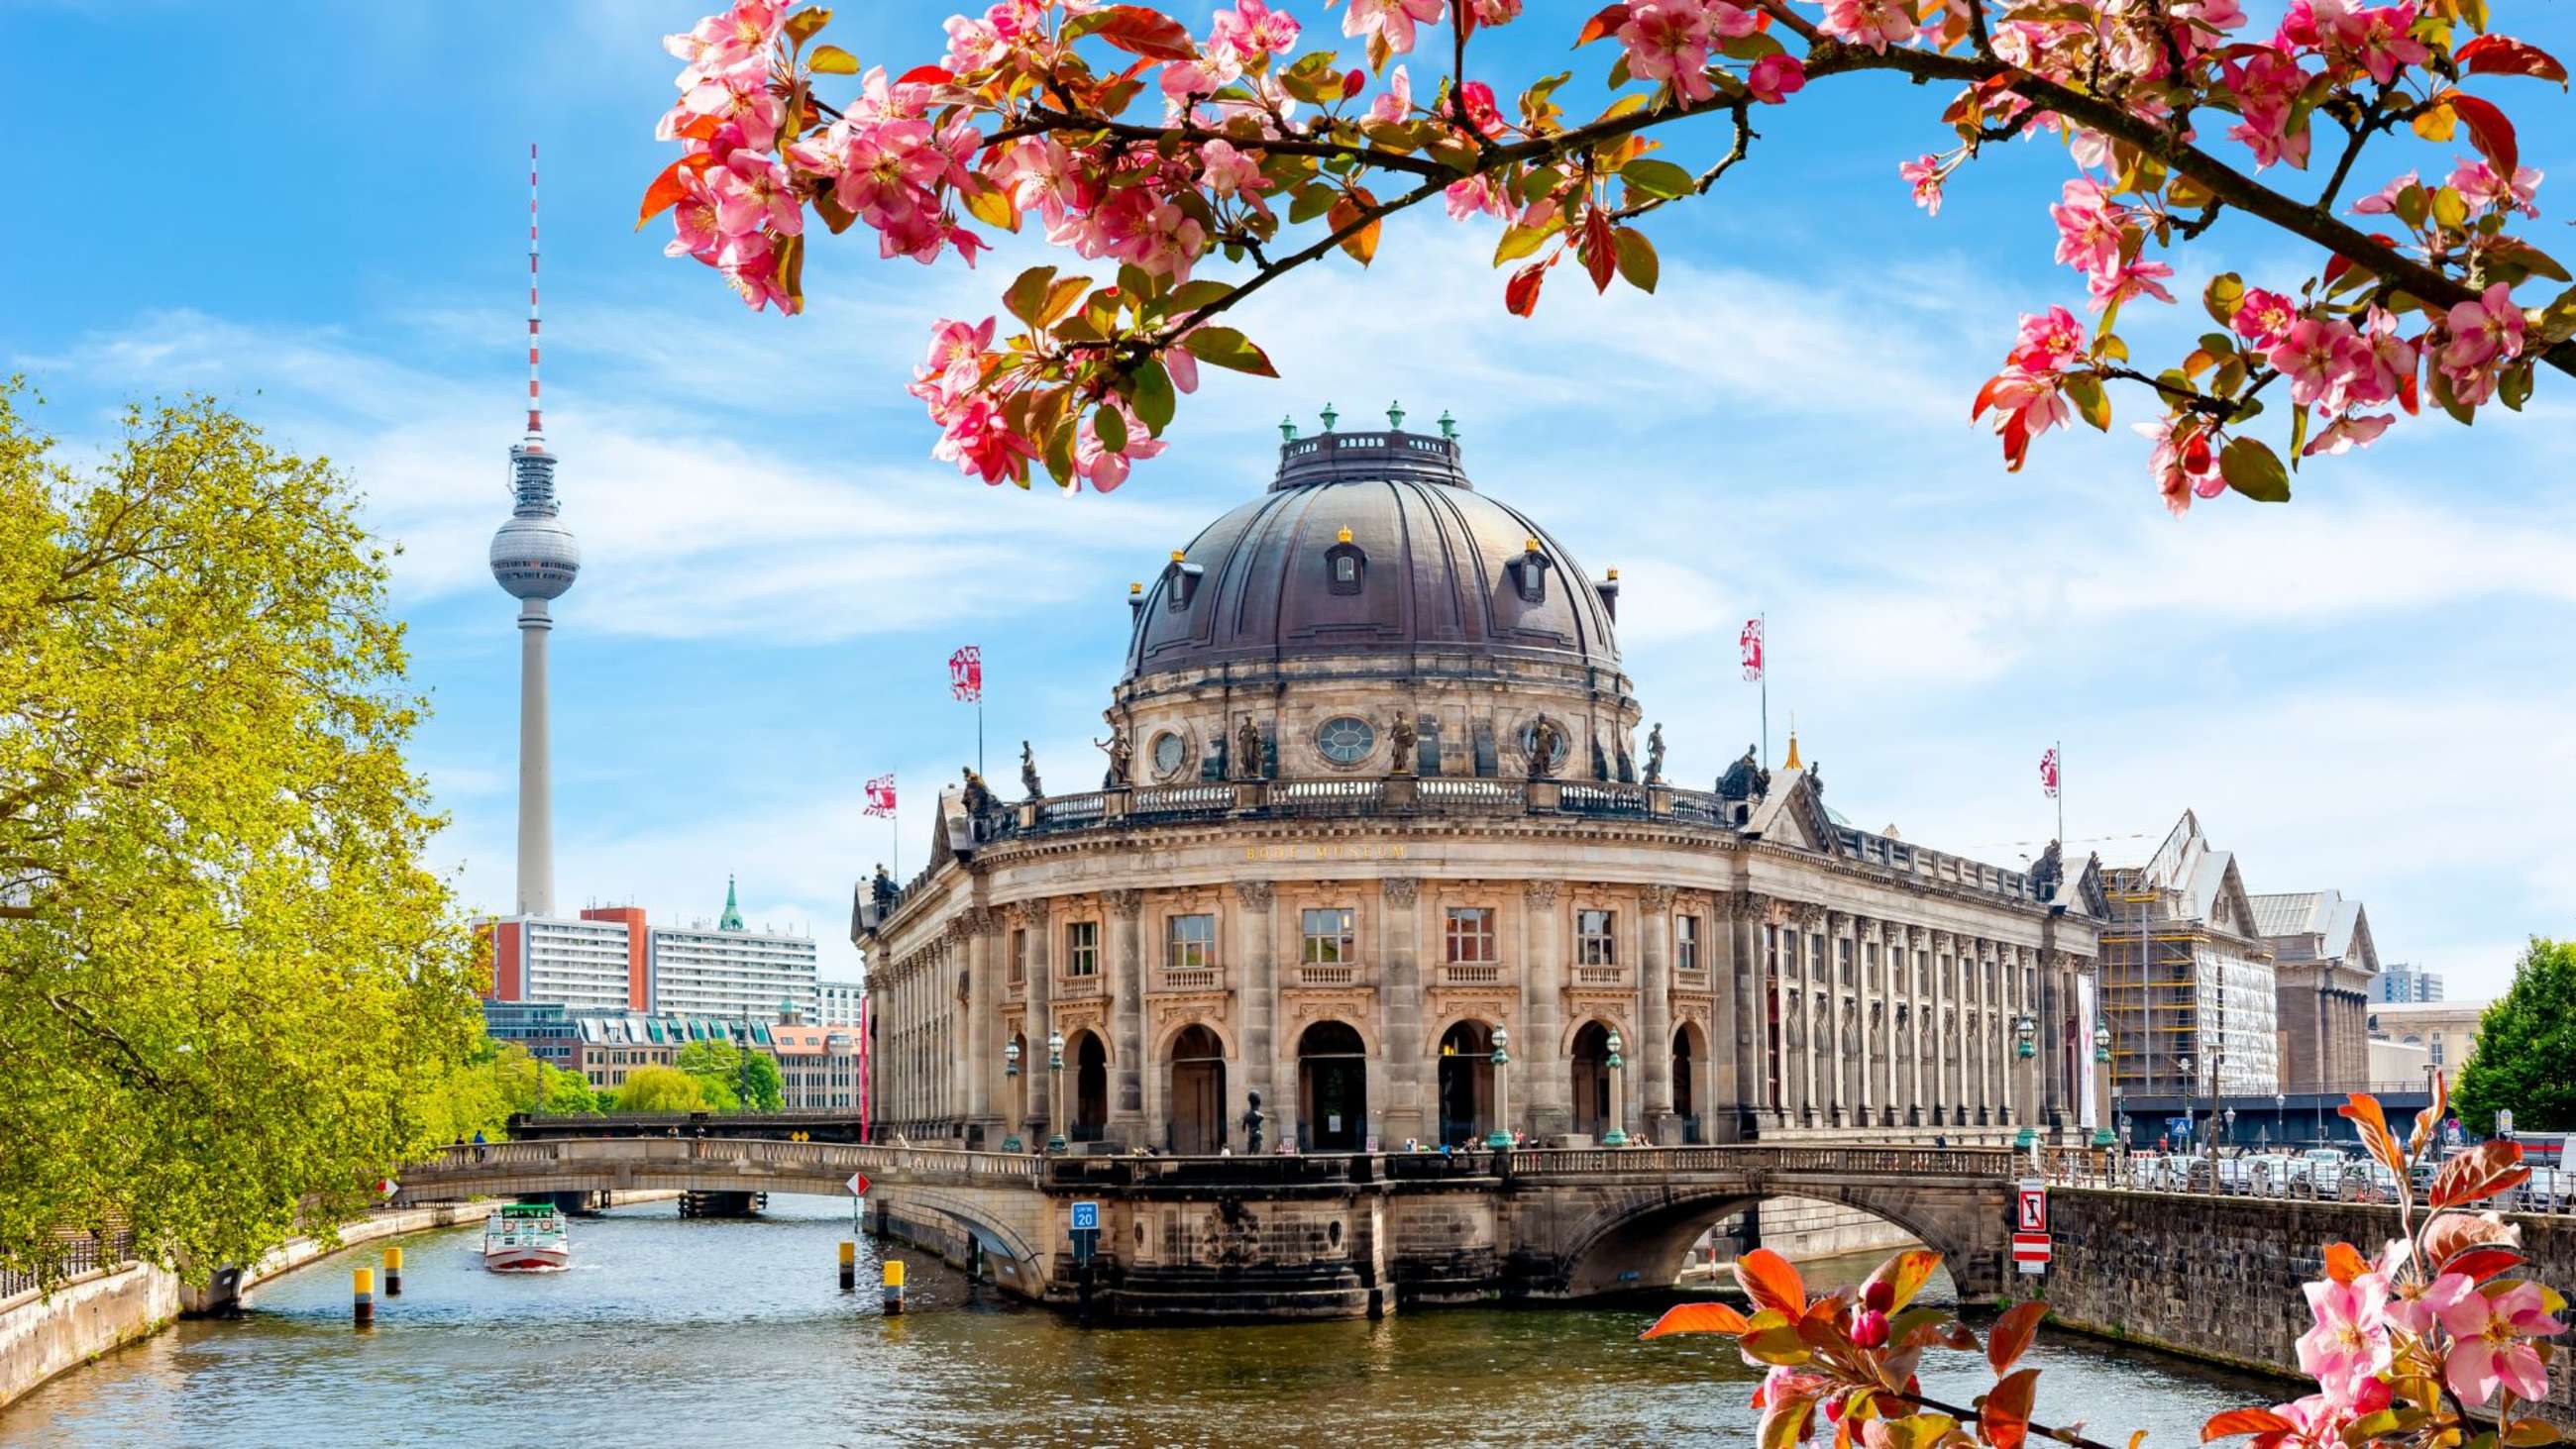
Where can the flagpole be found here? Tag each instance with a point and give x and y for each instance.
(1765, 620)
(2060, 749)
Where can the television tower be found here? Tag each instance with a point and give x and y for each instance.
(534, 559)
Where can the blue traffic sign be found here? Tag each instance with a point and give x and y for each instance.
(1086, 1217)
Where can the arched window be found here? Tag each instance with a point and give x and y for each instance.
(1345, 566)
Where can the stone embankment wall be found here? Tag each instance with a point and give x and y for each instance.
(111, 1307)
(2218, 1277)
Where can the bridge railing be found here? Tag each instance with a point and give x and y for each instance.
(1860, 1160)
(579, 1154)
(2547, 1192)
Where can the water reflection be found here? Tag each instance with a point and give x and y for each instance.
(734, 1332)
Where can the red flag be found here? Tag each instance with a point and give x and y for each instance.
(966, 674)
(1751, 639)
(881, 796)
(2048, 773)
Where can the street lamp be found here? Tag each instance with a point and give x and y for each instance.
(1501, 1137)
(2025, 1046)
(1055, 1092)
(1011, 1070)
(2101, 1053)
(2190, 1089)
(1615, 1137)
(2281, 1114)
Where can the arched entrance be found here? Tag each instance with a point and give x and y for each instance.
(1686, 1081)
(1332, 1088)
(1197, 1127)
(1591, 1067)
(1466, 1084)
(1090, 1087)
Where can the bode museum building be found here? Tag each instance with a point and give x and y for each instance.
(1379, 858)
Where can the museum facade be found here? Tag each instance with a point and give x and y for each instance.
(1378, 847)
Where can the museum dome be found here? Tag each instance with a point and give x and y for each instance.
(1370, 543)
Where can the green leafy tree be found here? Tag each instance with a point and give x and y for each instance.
(660, 1089)
(2527, 1046)
(758, 1083)
(228, 991)
(569, 1094)
(717, 1066)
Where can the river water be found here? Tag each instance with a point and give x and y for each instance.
(735, 1332)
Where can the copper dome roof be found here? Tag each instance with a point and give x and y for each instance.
(1370, 543)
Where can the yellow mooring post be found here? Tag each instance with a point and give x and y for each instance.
(893, 1286)
(849, 1265)
(362, 1296)
(393, 1272)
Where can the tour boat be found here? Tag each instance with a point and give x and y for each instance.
(526, 1238)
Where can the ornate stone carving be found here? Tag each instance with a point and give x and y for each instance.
(1401, 740)
(1247, 750)
(1122, 755)
(1025, 913)
(1126, 901)
(1545, 739)
(1352, 1006)
(1656, 898)
(1254, 895)
(980, 921)
(1540, 893)
(1745, 906)
(1904, 1033)
(1794, 1016)
(1809, 915)
(1400, 889)
(1851, 1027)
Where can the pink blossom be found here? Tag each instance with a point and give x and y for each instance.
(1391, 21)
(1252, 30)
(2349, 1342)
(2318, 1421)
(1229, 171)
(1217, 67)
(2131, 279)
(1668, 40)
(1873, 23)
(737, 40)
(1494, 12)
(974, 45)
(1096, 464)
(2383, 202)
(2488, 328)
(2490, 1330)
(1038, 172)
(2379, 40)
(2412, 1306)
(2376, 364)
(2266, 84)
(1924, 174)
(1774, 78)
(2313, 355)
(742, 98)
(2025, 405)
(1475, 194)
(2184, 464)
(2479, 186)
(2089, 227)
(1395, 103)
(954, 367)
(2350, 431)
(2049, 343)
(755, 193)
(694, 218)
(887, 168)
(2263, 318)
(979, 440)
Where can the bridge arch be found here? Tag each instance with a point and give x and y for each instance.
(1638, 1238)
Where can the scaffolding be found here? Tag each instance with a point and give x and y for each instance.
(2173, 992)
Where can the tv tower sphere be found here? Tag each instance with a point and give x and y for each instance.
(534, 555)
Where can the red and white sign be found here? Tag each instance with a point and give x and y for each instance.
(881, 796)
(2030, 1251)
(966, 674)
(858, 1184)
(1751, 639)
(2030, 1214)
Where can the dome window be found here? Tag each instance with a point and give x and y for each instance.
(1346, 739)
(1168, 750)
(1345, 565)
(1529, 573)
(1180, 582)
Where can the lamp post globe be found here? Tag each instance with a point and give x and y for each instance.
(2101, 1053)
(1616, 1135)
(1501, 1136)
(1055, 1092)
(1011, 1069)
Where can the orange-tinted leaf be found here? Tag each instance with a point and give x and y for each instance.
(2490, 131)
(1610, 19)
(2478, 1174)
(2344, 1262)
(925, 75)
(1520, 294)
(2429, 1121)
(2004, 1413)
(1698, 1318)
(1600, 250)
(2012, 1333)
(1347, 210)
(2243, 1421)
(667, 189)
(1905, 1274)
(1139, 30)
(2483, 1261)
(2503, 55)
(2363, 1110)
(1766, 1277)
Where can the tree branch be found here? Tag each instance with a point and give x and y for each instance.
(1046, 120)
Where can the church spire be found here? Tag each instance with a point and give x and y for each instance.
(1792, 762)
(731, 920)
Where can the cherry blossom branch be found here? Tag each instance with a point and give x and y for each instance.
(1045, 120)
(1970, 1416)
(1368, 216)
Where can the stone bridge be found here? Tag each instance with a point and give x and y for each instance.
(1298, 1236)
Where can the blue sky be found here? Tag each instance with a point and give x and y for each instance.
(2368, 689)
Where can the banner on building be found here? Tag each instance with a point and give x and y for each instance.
(966, 674)
(2048, 773)
(881, 796)
(1751, 639)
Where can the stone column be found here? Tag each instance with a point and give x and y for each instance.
(1868, 1009)
(1400, 997)
(1256, 992)
(1034, 917)
(1738, 1045)
(1836, 1057)
(1816, 1017)
(984, 927)
(1127, 1013)
(1546, 1093)
(1979, 1097)
(1654, 1018)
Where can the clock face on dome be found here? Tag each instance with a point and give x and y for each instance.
(1346, 740)
(1167, 753)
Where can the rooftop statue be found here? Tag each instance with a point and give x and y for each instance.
(1745, 779)
(1122, 756)
(976, 799)
(1655, 754)
(1029, 773)
(1247, 750)
(1545, 740)
(1401, 736)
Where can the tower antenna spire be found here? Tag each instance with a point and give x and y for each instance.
(536, 427)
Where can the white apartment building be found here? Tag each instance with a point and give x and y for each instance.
(840, 1003)
(587, 964)
(818, 1067)
(725, 970)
